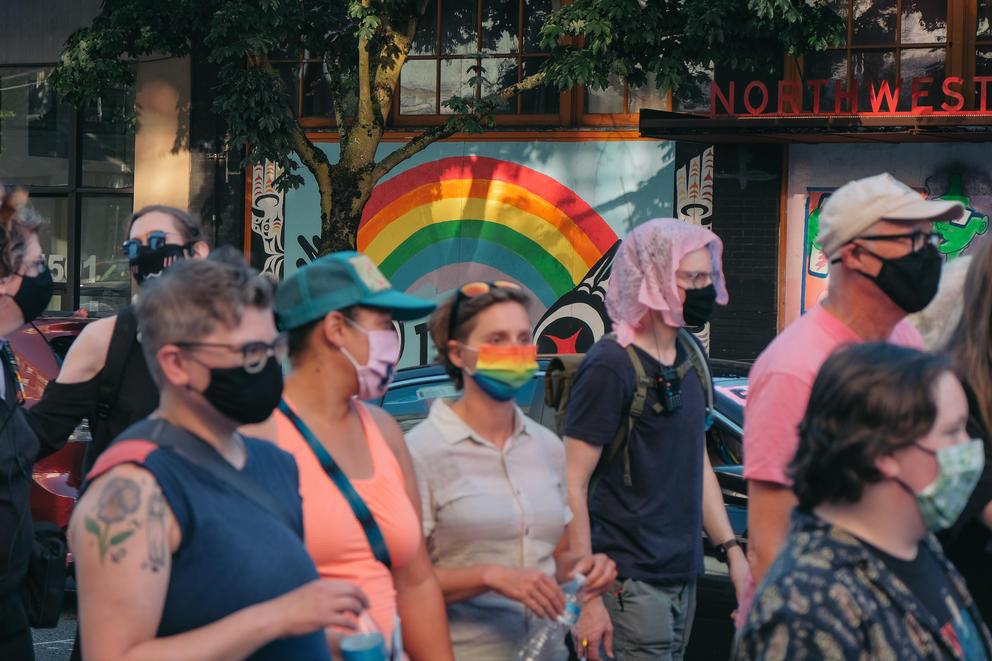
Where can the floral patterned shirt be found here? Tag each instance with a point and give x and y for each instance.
(828, 596)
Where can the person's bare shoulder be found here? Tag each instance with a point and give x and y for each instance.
(88, 352)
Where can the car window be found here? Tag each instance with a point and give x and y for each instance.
(410, 403)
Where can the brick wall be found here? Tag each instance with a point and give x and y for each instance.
(746, 210)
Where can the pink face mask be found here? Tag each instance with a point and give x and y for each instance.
(378, 372)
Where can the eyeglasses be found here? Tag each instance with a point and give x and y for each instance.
(470, 290)
(156, 240)
(698, 279)
(917, 239)
(254, 355)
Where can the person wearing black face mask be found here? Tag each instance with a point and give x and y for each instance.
(25, 290)
(877, 233)
(185, 476)
(104, 377)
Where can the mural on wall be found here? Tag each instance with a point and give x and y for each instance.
(546, 215)
(957, 237)
(267, 215)
(694, 185)
(430, 226)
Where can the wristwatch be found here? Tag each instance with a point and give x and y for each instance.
(721, 550)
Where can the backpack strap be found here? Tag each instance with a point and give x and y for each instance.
(124, 337)
(358, 507)
(697, 361)
(636, 410)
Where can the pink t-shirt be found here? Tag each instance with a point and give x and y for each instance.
(780, 383)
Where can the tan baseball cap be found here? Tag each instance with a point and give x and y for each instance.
(857, 205)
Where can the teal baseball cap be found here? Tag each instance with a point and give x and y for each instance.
(337, 281)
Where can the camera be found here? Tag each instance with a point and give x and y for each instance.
(670, 390)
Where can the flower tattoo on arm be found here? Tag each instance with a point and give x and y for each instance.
(120, 497)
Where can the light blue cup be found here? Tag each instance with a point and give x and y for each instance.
(364, 647)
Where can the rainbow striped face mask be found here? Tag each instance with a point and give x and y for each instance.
(501, 371)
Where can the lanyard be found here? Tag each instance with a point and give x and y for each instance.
(358, 506)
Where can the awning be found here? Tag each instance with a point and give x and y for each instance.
(895, 127)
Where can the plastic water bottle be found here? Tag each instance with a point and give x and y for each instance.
(549, 635)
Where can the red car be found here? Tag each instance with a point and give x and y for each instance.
(40, 348)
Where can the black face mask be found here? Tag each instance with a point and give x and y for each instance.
(34, 294)
(910, 281)
(244, 397)
(698, 305)
(150, 262)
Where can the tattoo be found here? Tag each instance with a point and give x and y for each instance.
(119, 498)
(158, 546)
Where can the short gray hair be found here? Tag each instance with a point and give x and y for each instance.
(18, 223)
(192, 299)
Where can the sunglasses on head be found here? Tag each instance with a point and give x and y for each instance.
(470, 290)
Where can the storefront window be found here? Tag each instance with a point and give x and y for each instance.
(79, 169)
(887, 40)
(458, 39)
(34, 129)
(104, 279)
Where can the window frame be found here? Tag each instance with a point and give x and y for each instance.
(73, 193)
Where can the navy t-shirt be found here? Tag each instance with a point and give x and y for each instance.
(927, 580)
(652, 529)
(234, 553)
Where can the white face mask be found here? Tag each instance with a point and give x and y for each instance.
(377, 373)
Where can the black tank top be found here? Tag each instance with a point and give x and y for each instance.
(126, 390)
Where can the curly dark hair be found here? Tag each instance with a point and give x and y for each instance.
(469, 308)
(868, 400)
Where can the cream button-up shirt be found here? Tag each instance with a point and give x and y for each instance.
(485, 505)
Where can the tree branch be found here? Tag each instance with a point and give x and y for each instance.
(334, 81)
(449, 128)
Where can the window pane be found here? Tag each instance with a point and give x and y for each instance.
(499, 73)
(499, 26)
(871, 68)
(454, 80)
(609, 100)
(54, 234)
(541, 100)
(874, 22)
(921, 63)
(647, 96)
(924, 21)
(104, 280)
(459, 27)
(108, 142)
(418, 87)
(34, 140)
(828, 65)
(984, 28)
(983, 62)
(317, 98)
(695, 95)
(425, 39)
(536, 14)
(290, 75)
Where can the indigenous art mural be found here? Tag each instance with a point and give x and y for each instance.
(546, 215)
(945, 175)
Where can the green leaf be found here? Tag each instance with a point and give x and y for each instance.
(92, 525)
(120, 537)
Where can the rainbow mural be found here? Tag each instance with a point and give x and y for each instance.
(492, 218)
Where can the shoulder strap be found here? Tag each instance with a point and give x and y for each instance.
(636, 410)
(123, 338)
(358, 506)
(697, 359)
(167, 435)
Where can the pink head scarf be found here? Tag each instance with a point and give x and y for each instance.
(643, 273)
